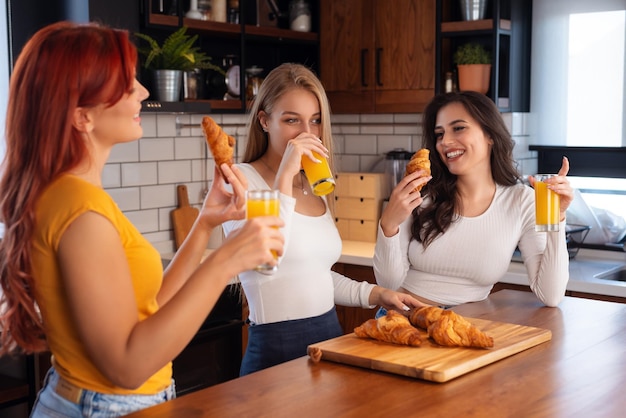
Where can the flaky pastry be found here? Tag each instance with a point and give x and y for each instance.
(419, 161)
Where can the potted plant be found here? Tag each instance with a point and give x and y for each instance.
(167, 62)
(474, 66)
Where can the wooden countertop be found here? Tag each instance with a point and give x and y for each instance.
(580, 372)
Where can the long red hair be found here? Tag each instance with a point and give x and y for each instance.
(63, 66)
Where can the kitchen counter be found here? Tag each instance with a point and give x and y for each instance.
(583, 268)
(581, 371)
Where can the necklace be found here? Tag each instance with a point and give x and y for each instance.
(302, 177)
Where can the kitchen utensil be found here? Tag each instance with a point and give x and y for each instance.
(183, 217)
(431, 361)
(395, 165)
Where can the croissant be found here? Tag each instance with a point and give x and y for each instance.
(452, 330)
(392, 328)
(221, 145)
(419, 161)
(423, 317)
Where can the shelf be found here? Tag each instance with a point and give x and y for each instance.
(233, 29)
(473, 25)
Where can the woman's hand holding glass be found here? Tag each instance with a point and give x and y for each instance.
(560, 185)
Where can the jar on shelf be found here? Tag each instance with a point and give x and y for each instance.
(253, 82)
(300, 15)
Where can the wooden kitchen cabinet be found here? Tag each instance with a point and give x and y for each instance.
(505, 33)
(377, 56)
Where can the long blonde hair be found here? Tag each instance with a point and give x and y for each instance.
(280, 80)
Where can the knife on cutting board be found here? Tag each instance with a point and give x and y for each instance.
(183, 216)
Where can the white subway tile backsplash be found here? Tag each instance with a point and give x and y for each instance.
(383, 119)
(415, 118)
(377, 129)
(139, 174)
(360, 144)
(124, 152)
(156, 149)
(166, 125)
(188, 148)
(344, 119)
(202, 170)
(111, 176)
(127, 198)
(148, 124)
(178, 171)
(388, 143)
(347, 163)
(144, 220)
(155, 197)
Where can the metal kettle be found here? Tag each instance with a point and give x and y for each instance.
(395, 165)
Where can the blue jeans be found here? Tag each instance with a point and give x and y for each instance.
(278, 342)
(50, 404)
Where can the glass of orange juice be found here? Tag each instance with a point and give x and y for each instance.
(547, 205)
(263, 203)
(318, 174)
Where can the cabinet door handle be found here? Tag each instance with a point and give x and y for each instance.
(363, 58)
(379, 52)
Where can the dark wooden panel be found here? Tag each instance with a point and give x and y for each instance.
(584, 161)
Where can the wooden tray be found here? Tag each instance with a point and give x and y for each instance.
(431, 361)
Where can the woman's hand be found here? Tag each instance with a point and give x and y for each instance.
(403, 200)
(390, 299)
(253, 243)
(300, 147)
(560, 185)
(220, 205)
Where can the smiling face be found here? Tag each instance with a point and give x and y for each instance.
(120, 122)
(460, 141)
(297, 111)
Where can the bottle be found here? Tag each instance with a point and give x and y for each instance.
(300, 15)
(449, 85)
(218, 10)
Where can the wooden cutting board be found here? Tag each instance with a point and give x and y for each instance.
(431, 361)
(183, 217)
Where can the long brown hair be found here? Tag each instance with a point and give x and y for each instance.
(280, 80)
(62, 67)
(435, 217)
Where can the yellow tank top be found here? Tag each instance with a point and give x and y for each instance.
(61, 203)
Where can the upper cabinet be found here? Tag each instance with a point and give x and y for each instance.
(378, 56)
(254, 35)
(505, 32)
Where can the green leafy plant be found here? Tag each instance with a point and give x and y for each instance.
(177, 53)
(472, 53)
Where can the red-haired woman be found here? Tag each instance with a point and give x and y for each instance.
(78, 278)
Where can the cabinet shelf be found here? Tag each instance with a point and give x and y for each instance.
(232, 29)
(243, 44)
(505, 33)
(473, 25)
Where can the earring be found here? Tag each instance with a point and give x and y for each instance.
(265, 129)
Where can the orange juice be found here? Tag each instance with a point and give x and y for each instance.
(320, 178)
(547, 205)
(263, 203)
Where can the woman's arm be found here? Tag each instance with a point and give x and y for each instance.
(102, 301)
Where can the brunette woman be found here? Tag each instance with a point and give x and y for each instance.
(453, 244)
(77, 277)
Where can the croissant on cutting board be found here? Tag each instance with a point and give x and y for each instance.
(447, 328)
(392, 328)
(419, 161)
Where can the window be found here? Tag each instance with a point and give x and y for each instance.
(577, 72)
